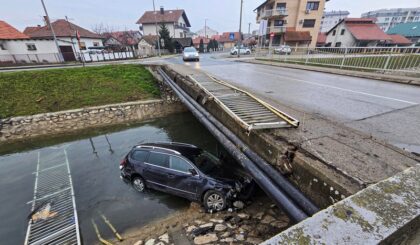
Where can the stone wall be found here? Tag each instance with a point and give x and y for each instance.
(16, 128)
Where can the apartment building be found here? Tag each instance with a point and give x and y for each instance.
(175, 20)
(389, 18)
(292, 22)
(331, 18)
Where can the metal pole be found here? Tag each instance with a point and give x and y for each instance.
(240, 31)
(157, 34)
(60, 55)
(205, 28)
(249, 28)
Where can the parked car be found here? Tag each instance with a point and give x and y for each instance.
(190, 53)
(186, 171)
(283, 49)
(243, 50)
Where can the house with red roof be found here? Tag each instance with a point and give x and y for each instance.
(122, 40)
(72, 39)
(176, 21)
(18, 47)
(357, 32)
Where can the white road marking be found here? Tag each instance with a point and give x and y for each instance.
(353, 91)
(338, 88)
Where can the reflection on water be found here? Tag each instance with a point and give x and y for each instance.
(94, 160)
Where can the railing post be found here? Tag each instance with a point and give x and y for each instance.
(307, 56)
(344, 58)
(388, 60)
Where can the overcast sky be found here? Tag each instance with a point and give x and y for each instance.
(222, 15)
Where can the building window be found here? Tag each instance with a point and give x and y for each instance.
(2, 46)
(281, 6)
(278, 22)
(82, 45)
(308, 23)
(338, 44)
(31, 46)
(95, 44)
(334, 32)
(312, 6)
(343, 31)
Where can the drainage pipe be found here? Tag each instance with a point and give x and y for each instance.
(281, 199)
(295, 194)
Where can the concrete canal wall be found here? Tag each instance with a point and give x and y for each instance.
(17, 128)
(326, 161)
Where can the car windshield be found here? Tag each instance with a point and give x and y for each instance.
(206, 162)
(190, 50)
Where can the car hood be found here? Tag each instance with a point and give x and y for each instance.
(226, 175)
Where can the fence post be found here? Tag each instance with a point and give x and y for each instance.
(388, 60)
(344, 58)
(307, 56)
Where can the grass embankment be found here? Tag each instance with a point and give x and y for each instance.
(370, 63)
(33, 92)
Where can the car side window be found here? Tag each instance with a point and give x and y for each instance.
(158, 159)
(140, 156)
(179, 164)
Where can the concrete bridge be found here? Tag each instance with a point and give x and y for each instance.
(334, 153)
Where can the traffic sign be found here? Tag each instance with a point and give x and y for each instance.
(232, 36)
(271, 34)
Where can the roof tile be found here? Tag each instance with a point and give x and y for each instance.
(62, 28)
(8, 32)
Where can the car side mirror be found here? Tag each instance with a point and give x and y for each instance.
(193, 172)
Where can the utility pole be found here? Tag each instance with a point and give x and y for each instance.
(60, 55)
(157, 34)
(205, 28)
(249, 28)
(240, 30)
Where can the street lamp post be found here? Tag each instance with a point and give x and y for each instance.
(157, 34)
(60, 55)
(205, 28)
(240, 31)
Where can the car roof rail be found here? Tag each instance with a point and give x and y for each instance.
(177, 143)
(156, 147)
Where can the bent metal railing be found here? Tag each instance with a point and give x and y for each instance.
(53, 218)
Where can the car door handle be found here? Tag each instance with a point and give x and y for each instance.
(171, 176)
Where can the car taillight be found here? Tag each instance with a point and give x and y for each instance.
(123, 162)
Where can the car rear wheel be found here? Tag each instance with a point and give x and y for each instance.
(138, 184)
(214, 200)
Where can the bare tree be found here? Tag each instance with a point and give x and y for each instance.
(102, 28)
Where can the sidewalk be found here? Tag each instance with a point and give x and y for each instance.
(370, 75)
(100, 63)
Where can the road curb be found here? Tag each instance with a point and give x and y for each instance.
(375, 76)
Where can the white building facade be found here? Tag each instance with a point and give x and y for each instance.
(176, 22)
(206, 32)
(332, 18)
(388, 18)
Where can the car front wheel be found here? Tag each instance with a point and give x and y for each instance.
(214, 200)
(138, 184)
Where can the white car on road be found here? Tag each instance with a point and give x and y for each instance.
(283, 49)
(243, 50)
(190, 53)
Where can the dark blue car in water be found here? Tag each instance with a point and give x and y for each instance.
(186, 171)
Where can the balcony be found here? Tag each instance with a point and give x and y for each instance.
(276, 29)
(271, 13)
(177, 26)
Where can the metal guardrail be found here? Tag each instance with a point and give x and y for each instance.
(249, 111)
(383, 59)
(274, 12)
(53, 219)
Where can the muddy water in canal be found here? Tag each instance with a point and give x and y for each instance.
(94, 163)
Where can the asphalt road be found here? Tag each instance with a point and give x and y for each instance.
(386, 110)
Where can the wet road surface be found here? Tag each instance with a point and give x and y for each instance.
(386, 110)
(98, 187)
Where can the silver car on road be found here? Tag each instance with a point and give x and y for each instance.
(190, 53)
